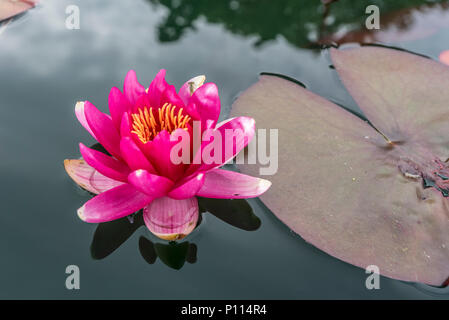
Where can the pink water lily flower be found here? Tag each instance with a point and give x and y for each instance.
(139, 173)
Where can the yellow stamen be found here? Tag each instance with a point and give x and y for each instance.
(146, 126)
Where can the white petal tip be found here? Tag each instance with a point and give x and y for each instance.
(79, 105)
(81, 213)
(196, 82)
(264, 184)
(139, 172)
(199, 80)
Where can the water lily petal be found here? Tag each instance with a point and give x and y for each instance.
(125, 126)
(103, 128)
(80, 115)
(224, 184)
(151, 184)
(190, 87)
(88, 178)
(105, 164)
(118, 104)
(243, 128)
(206, 102)
(187, 189)
(132, 88)
(171, 96)
(113, 204)
(11, 8)
(245, 125)
(133, 155)
(141, 102)
(158, 151)
(171, 219)
(156, 88)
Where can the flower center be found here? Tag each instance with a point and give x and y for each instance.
(146, 125)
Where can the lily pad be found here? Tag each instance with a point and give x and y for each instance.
(405, 23)
(366, 195)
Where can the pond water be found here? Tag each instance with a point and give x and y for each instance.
(45, 68)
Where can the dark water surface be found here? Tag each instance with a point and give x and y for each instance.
(45, 68)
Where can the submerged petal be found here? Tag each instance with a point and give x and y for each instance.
(113, 204)
(226, 184)
(171, 219)
(88, 178)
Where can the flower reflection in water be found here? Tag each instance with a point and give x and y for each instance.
(109, 236)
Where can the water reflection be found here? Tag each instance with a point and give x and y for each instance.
(109, 236)
(407, 24)
(173, 254)
(302, 23)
